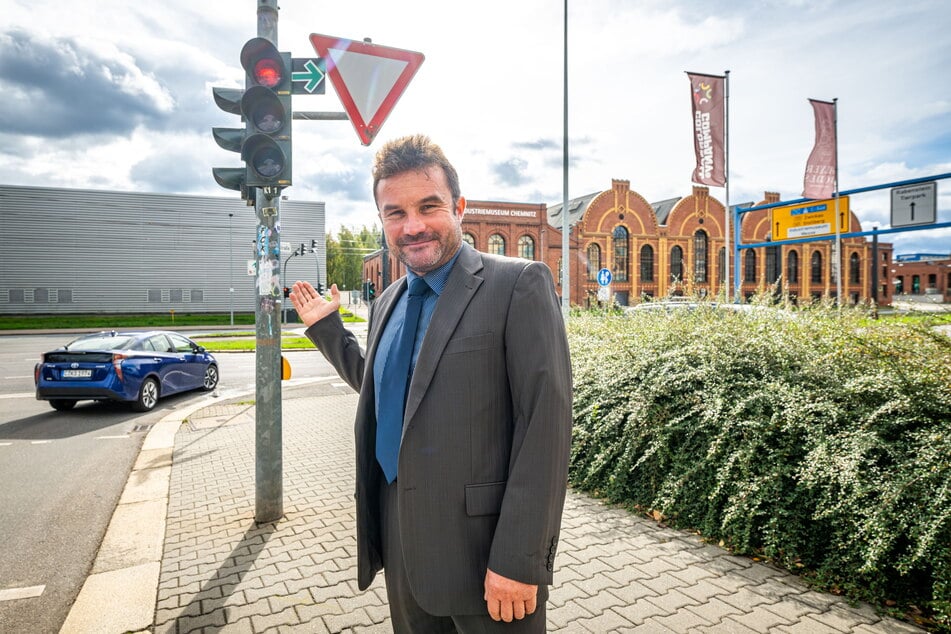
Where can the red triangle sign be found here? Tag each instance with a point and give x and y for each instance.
(369, 79)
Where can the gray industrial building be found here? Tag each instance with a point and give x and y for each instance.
(85, 251)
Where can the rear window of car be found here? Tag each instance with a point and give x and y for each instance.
(107, 342)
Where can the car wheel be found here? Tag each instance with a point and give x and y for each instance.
(148, 396)
(62, 405)
(211, 378)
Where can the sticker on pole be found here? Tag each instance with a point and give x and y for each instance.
(369, 79)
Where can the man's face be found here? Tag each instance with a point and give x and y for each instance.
(419, 219)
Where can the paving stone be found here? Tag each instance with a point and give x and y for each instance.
(713, 610)
(285, 617)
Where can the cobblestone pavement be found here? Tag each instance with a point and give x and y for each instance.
(615, 572)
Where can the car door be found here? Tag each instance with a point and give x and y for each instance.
(170, 364)
(192, 369)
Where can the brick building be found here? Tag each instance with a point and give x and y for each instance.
(922, 276)
(671, 247)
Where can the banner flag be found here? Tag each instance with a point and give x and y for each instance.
(819, 181)
(707, 97)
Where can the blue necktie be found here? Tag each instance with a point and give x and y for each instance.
(395, 383)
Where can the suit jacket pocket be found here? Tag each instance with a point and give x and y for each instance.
(484, 499)
(468, 344)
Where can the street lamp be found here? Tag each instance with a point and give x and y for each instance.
(230, 269)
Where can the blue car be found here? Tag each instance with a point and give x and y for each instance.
(133, 367)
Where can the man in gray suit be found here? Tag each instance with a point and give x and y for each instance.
(461, 469)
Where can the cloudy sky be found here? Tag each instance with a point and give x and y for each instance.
(116, 95)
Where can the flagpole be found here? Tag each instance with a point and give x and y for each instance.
(838, 232)
(565, 249)
(727, 252)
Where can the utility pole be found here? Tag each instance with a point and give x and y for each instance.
(268, 435)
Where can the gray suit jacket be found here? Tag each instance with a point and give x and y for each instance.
(486, 435)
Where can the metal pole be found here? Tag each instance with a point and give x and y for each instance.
(875, 268)
(565, 269)
(268, 455)
(838, 237)
(726, 154)
(231, 268)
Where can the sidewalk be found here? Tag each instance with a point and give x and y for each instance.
(217, 571)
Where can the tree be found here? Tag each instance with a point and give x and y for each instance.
(345, 255)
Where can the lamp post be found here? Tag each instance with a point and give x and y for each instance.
(230, 268)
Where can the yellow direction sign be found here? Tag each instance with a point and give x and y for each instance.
(804, 220)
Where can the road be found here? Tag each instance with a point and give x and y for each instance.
(62, 474)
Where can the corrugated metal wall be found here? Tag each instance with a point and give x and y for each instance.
(87, 251)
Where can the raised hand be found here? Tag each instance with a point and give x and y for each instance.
(310, 306)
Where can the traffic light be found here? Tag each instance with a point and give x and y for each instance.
(313, 246)
(266, 108)
(287, 291)
(371, 291)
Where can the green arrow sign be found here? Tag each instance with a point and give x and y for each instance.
(307, 76)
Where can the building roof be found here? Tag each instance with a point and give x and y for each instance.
(576, 210)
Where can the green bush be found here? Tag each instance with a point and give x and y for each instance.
(822, 441)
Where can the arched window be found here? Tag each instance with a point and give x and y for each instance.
(772, 264)
(526, 248)
(676, 264)
(749, 266)
(792, 267)
(496, 244)
(620, 238)
(594, 261)
(647, 263)
(855, 269)
(700, 261)
(815, 268)
(469, 239)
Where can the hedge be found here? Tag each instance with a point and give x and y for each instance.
(818, 439)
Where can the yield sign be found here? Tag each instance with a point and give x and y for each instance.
(369, 79)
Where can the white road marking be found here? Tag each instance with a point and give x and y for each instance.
(5, 444)
(21, 593)
(40, 442)
(112, 437)
(19, 395)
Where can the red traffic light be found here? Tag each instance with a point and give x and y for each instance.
(268, 73)
(264, 64)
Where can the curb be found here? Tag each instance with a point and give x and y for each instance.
(130, 557)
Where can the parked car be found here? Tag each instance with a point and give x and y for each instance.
(133, 367)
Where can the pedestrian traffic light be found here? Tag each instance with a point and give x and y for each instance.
(287, 291)
(371, 291)
(266, 108)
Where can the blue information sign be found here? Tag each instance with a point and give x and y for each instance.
(604, 277)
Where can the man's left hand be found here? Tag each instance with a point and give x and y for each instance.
(508, 599)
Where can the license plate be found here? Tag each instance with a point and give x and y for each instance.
(77, 374)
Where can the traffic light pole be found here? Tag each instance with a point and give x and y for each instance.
(268, 434)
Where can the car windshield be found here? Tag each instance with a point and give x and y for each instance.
(102, 342)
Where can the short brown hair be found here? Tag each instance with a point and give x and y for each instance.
(411, 153)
